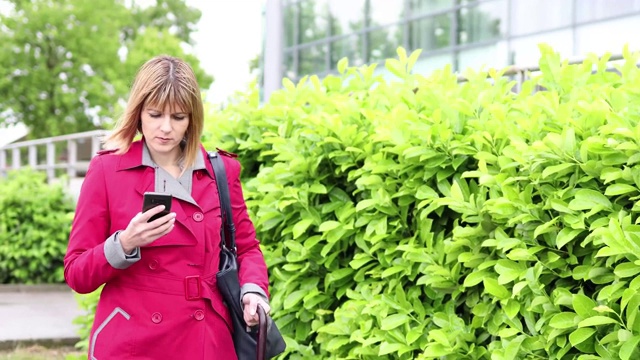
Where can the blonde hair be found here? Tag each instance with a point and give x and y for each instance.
(161, 81)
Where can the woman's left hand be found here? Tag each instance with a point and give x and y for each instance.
(250, 302)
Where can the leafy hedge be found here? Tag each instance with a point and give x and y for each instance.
(35, 221)
(427, 218)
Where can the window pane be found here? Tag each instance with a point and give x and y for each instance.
(349, 47)
(608, 36)
(430, 33)
(427, 64)
(531, 16)
(346, 16)
(482, 22)
(384, 42)
(289, 16)
(419, 7)
(289, 68)
(312, 60)
(602, 9)
(492, 56)
(313, 21)
(385, 12)
(525, 51)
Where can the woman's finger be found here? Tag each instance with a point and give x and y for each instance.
(149, 213)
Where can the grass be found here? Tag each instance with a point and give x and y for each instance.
(37, 352)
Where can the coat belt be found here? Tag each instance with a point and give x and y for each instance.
(192, 287)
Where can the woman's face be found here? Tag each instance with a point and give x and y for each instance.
(163, 129)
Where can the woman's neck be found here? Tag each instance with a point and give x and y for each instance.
(167, 160)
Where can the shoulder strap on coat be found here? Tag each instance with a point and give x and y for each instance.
(228, 230)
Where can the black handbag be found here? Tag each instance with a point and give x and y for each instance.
(245, 342)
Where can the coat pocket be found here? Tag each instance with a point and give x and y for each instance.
(111, 339)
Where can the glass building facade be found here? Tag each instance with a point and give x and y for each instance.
(313, 35)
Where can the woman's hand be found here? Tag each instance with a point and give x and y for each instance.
(139, 232)
(250, 302)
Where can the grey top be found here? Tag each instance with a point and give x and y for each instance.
(179, 188)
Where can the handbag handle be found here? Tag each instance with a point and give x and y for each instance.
(262, 332)
(228, 231)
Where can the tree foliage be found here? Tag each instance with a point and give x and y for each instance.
(65, 64)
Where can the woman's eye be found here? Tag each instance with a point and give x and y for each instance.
(179, 117)
(155, 116)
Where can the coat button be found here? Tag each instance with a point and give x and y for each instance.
(198, 216)
(156, 317)
(153, 264)
(198, 315)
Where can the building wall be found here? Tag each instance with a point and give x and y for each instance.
(313, 35)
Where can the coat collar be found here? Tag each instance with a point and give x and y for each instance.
(138, 155)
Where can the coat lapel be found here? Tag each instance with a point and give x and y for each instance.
(132, 162)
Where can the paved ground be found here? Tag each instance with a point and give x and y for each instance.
(37, 314)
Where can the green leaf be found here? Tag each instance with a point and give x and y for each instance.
(492, 287)
(626, 269)
(556, 169)
(395, 67)
(508, 270)
(566, 235)
(564, 320)
(597, 320)
(583, 305)
(328, 226)
(300, 227)
(388, 348)
(393, 321)
(440, 337)
(425, 192)
(294, 298)
(436, 351)
(620, 189)
(512, 308)
(415, 55)
(587, 199)
(578, 336)
(342, 65)
(629, 346)
(318, 189)
(474, 278)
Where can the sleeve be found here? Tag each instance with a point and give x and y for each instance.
(85, 264)
(115, 255)
(253, 269)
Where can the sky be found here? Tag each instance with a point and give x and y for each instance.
(229, 35)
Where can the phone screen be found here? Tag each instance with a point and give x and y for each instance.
(153, 199)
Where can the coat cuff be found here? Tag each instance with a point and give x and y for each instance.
(253, 288)
(115, 254)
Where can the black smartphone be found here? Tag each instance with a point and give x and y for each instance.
(153, 199)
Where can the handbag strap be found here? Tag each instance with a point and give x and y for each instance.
(228, 230)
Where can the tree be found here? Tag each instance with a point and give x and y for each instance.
(65, 64)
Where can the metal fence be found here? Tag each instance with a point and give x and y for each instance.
(71, 153)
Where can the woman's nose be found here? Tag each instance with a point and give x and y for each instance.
(165, 125)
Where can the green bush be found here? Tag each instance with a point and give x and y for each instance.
(427, 218)
(35, 221)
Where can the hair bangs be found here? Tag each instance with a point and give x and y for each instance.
(170, 93)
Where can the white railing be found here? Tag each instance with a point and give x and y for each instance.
(80, 148)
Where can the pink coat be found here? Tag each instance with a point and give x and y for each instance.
(166, 305)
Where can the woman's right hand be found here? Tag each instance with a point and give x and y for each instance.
(139, 232)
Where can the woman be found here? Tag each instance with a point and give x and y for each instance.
(160, 300)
